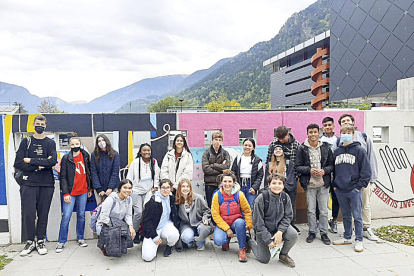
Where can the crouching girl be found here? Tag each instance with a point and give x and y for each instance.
(194, 214)
(271, 221)
(231, 212)
(160, 221)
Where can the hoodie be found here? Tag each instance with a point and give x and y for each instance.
(352, 167)
(315, 163)
(122, 209)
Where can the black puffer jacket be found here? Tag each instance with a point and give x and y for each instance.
(257, 171)
(303, 166)
(68, 171)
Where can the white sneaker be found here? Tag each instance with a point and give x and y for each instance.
(30, 246)
(82, 243)
(342, 241)
(359, 247)
(41, 247)
(369, 234)
(59, 247)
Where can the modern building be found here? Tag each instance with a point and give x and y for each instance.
(371, 47)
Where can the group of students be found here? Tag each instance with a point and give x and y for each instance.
(156, 203)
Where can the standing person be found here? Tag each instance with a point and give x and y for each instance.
(288, 143)
(117, 231)
(282, 166)
(35, 157)
(144, 174)
(194, 215)
(178, 162)
(328, 136)
(215, 161)
(160, 221)
(104, 167)
(352, 174)
(248, 169)
(75, 186)
(314, 164)
(271, 221)
(231, 212)
(366, 143)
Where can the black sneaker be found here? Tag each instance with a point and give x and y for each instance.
(334, 226)
(248, 238)
(296, 228)
(30, 246)
(325, 239)
(310, 237)
(168, 251)
(137, 239)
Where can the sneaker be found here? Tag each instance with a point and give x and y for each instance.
(286, 260)
(201, 248)
(137, 239)
(29, 247)
(325, 239)
(342, 241)
(310, 237)
(41, 247)
(242, 255)
(359, 247)
(167, 251)
(296, 228)
(81, 243)
(59, 247)
(248, 238)
(369, 234)
(333, 224)
(226, 247)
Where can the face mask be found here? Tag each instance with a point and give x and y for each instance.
(75, 149)
(102, 144)
(39, 129)
(346, 137)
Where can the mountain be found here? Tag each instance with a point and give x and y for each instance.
(244, 78)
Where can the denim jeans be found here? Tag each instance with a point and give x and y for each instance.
(321, 197)
(238, 226)
(250, 197)
(67, 209)
(188, 233)
(351, 206)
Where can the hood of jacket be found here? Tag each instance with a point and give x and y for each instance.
(234, 190)
(306, 143)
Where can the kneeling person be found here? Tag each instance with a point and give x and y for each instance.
(271, 221)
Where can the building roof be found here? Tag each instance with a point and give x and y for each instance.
(9, 109)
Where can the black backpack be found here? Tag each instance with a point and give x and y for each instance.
(266, 197)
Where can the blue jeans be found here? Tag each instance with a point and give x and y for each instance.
(250, 198)
(238, 226)
(351, 206)
(202, 231)
(67, 209)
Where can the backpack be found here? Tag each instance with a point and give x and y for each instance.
(97, 212)
(266, 197)
(18, 174)
(338, 141)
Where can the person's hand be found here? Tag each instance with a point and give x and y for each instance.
(26, 160)
(252, 191)
(108, 192)
(158, 242)
(41, 167)
(67, 199)
(90, 193)
(321, 172)
(101, 193)
(277, 238)
(132, 232)
(271, 245)
(154, 189)
(229, 233)
(335, 189)
(314, 172)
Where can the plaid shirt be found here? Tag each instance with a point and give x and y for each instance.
(289, 149)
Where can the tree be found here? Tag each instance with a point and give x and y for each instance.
(221, 104)
(164, 104)
(21, 107)
(48, 106)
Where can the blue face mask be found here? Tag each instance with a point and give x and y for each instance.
(346, 137)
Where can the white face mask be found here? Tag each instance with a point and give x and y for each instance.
(102, 144)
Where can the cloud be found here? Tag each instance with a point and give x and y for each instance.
(80, 49)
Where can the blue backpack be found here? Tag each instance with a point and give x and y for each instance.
(95, 216)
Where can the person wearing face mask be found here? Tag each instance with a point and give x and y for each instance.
(104, 167)
(248, 168)
(144, 174)
(36, 157)
(352, 174)
(75, 186)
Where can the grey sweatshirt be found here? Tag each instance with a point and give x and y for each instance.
(315, 161)
(122, 209)
(199, 211)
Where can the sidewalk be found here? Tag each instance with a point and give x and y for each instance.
(382, 258)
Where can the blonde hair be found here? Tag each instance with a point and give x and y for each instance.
(274, 168)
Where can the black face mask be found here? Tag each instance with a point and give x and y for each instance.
(39, 129)
(76, 149)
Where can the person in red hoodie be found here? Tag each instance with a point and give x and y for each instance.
(75, 185)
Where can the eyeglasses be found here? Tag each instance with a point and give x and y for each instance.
(166, 188)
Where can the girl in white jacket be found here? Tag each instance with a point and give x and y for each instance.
(178, 162)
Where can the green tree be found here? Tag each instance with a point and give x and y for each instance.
(164, 104)
(48, 106)
(221, 104)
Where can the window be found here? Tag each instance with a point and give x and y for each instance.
(380, 134)
(246, 133)
(207, 136)
(409, 134)
(63, 140)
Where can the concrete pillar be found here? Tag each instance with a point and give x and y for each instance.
(405, 94)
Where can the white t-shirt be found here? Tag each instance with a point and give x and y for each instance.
(246, 166)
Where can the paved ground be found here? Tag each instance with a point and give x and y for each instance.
(382, 258)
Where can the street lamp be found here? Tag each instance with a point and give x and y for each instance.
(181, 101)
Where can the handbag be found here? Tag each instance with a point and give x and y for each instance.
(18, 174)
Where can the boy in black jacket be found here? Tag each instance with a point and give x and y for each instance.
(352, 173)
(35, 157)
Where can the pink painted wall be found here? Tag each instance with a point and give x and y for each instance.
(264, 123)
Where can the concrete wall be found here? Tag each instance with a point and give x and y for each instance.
(405, 95)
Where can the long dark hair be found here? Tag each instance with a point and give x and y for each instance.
(139, 156)
(254, 146)
(109, 149)
(122, 183)
(185, 142)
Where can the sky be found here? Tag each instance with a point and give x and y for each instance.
(80, 50)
